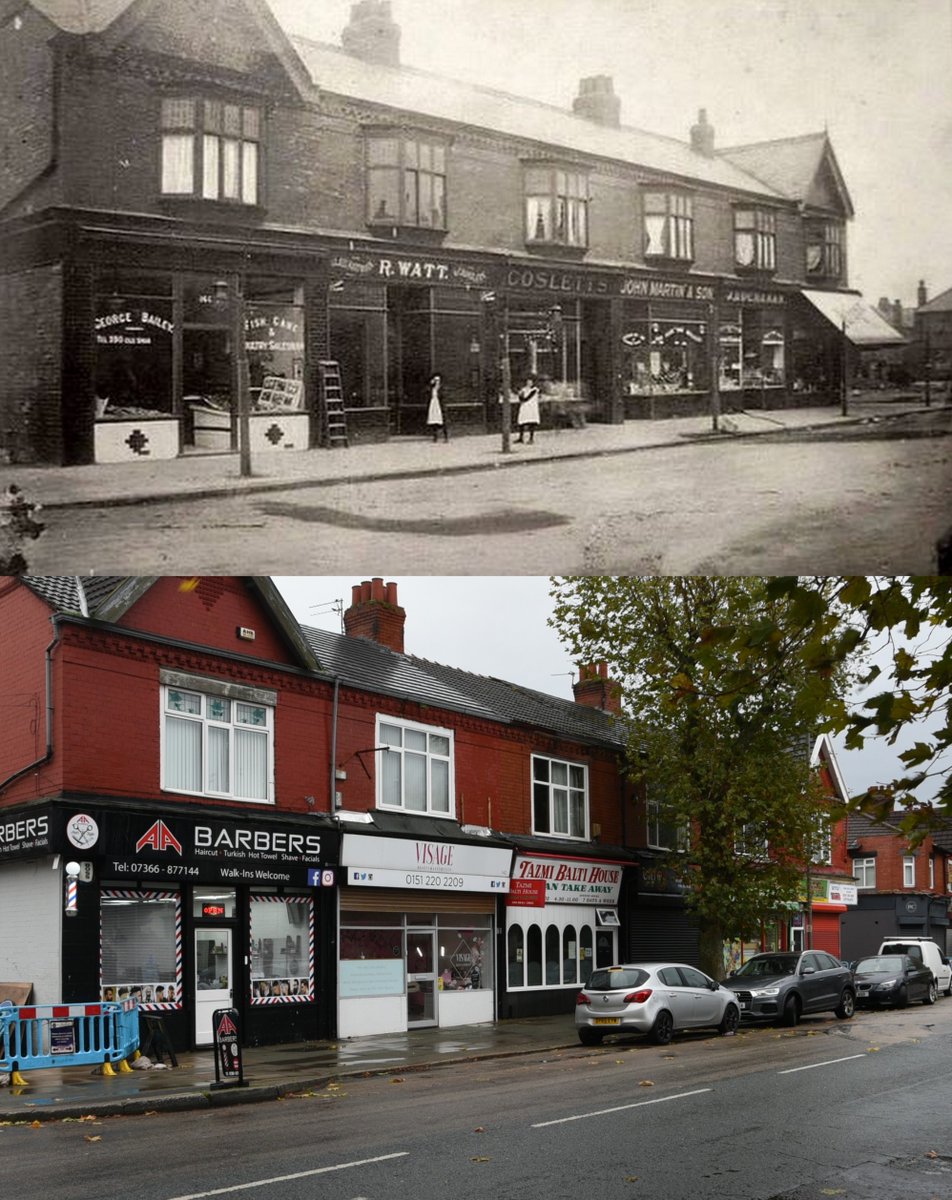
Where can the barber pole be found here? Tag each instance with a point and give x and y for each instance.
(72, 890)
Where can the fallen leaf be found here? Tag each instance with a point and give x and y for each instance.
(872, 1049)
(630, 1179)
(479, 1129)
(619, 1061)
(646, 1083)
(398, 1080)
(933, 1154)
(832, 1191)
(36, 1124)
(480, 1158)
(93, 1137)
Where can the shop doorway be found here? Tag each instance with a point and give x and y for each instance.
(421, 977)
(213, 979)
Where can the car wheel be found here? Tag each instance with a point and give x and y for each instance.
(730, 1020)
(663, 1030)
(791, 1012)
(847, 1004)
(590, 1037)
(902, 998)
(948, 990)
(932, 994)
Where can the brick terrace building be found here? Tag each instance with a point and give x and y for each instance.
(179, 178)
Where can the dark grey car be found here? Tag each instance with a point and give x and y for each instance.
(783, 986)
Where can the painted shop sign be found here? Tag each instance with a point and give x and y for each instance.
(130, 328)
(667, 289)
(421, 863)
(25, 834)
(759, 296)
(572, 880)
(273, 332)
(403, 268)
(563, 283)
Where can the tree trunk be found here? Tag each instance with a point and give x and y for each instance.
(711, 948)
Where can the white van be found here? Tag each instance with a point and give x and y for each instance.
(922, 950)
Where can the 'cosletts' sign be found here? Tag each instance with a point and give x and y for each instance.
(572, 880)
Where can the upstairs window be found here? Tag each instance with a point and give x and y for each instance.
(663, 832)
(211, 150)
(752, 842)
(669, 226)
(825, 250)
(559, 798)
(908, 871)
(218, 744)
(864, 872)
(416, 770)
(755, 239)
(556, 207)
(821, 847)
(406, 181)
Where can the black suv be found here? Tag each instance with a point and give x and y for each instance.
(782, 986)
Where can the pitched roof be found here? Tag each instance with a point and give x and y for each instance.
(409, 89)
(940, 303)
(82, 16)
(790, 166)
(74, 594)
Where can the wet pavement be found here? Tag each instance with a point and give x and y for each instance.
(271, 1071)
(203, 476)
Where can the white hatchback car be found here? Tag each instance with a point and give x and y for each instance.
(653, 998)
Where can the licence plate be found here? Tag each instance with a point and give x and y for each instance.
(744, 1004)
(606, 1020)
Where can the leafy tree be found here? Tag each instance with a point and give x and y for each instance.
(723, 683)
(905, 626)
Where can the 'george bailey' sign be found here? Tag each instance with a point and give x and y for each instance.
(572, 880)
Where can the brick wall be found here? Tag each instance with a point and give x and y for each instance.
(26, 102)
(31, 315)
(23, 700)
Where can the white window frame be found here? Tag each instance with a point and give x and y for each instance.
(561, 917)
(864, 872)
(931, 873)
(583, 836)
(656, 823)
(212, 149)
(753, 842)
(909, 870)
(210, 690)
(822, 849)
(431, 731)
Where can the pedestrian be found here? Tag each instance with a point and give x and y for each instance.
(528, 416)
(435, 414)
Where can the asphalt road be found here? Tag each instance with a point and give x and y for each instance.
(865, 506)
(850, 1109)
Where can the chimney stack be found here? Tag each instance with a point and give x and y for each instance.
(372, 34)
(702, 135)
(897, 314)
(595, 690)
(923, 295)
(375, 614)
(596, 100)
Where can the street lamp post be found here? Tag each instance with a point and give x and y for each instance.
(714, 326)
(236, 302)
(506, 382)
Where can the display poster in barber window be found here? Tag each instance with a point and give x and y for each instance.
(170, 847)
(572, 880)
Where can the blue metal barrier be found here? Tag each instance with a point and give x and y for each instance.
(67, 1035)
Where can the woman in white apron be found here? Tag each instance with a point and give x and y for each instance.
(435, 417)
(528, 416)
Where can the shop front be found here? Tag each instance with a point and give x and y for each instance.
(659, 925)
(818, 927)
(189, 914)
(394, 321)
(561, 923)
(417, 933)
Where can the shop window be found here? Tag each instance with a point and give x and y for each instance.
(274, 342)
(586, 960)
(559, 798)
(217, 744)
(664, 355)
(406, 181)
(534, 956)
(556, 206)
(134, 330)
(669, 226)
(282, 949)
(357, 330)
(515, 942)
(545, 341)
(752, 347)
(864, 872)
(465, 953)
(415, 772)
(825, 250)
(141, 944)
(211, 150)
(755, 239)
(569, 955)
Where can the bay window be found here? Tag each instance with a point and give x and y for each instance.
(669, 225)
(755, 239)
(218, 741)
(406, 181)
(825, 250)
(556, 206)
(211, 150)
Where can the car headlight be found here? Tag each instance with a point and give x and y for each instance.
(768, 991)
(886, 983)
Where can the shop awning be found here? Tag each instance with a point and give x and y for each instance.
(861, 323)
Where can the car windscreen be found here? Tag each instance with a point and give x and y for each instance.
(771, 964)
(617, 977)
(881, 962)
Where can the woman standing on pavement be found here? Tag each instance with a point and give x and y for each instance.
(528, 416)
(435, 416)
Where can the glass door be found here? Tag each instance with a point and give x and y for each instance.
(421, 977)
(213, 979)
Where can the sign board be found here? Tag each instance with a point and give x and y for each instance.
(421, 863)
(227, 1046)
(62, 1037)
(572, 880)
(526, 893)
(278, 392)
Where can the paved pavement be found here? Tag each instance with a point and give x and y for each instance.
(202, 476)
(271, 1071)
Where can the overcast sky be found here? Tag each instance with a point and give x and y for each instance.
(876, 73)
(497, 625)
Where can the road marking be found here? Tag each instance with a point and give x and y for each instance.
(240, 1187)
(829, 1063)
(603, 1112)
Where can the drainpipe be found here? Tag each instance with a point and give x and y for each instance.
(333, 796)
(4, 783)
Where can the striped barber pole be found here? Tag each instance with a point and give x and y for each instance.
(72, 893)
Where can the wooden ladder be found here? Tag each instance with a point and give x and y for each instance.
(333, 414)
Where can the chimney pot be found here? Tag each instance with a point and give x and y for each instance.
(923, 295)
(375, 614)
(595, 689)
(702, 135)
(372, 35)
(596, 100)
